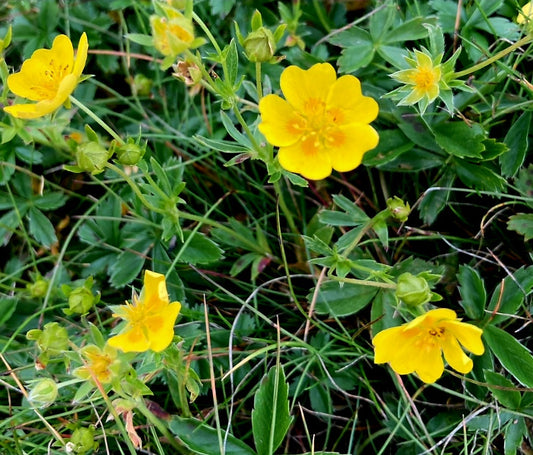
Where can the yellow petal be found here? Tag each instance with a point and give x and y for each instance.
(160, 328)
(279, 121)
(299, 86)
(455, 356)
(346, 154)
(345, 94)
(154, 295)
(305, 159)
(385, 343)
(81, 55)
(468, 335)
(130, 340)
(431, 366)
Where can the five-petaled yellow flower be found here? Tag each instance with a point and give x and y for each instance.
(48, 77)
(418, 345)
(101, 364)
(424, 80)
(322, 124)
(149, 320)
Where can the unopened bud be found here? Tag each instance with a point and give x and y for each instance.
(413, 290)
(260, 45)
(92, 157)
(43, 393)
(130, 153)
(81, 441)
(38, 288)
(399, 210)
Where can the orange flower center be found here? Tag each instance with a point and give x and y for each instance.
(47, 84)
(318, 126)
(425, 78)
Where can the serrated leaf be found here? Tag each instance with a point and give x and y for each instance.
(50, 201)
(514, 357)
(517, 141)
(523, 224)
(270, 416)
(460, 139)
(478, 176)
(472, 290)
(198, 249)
(413, 29)
(345, 300)
(41, 228)
(126, 268)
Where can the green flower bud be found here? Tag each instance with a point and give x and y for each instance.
(53, 339)
(130, 153)
(260, 45)
(399, 210)
(413, 290)
(43, 393)
(141, 85)
(81, 300)
(92, 157)
(81, 441)
(38, 288)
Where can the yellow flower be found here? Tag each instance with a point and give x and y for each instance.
(418, 345)
(101, 364)
(322, 124)
(423, 80)
(525, 14)
(172, 34)
(48, 77)
(149, 320)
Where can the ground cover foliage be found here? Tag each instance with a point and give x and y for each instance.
(174, 159)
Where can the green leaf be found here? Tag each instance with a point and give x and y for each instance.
(515, 289)
(514, 433)
(203, 439)
(353, 58)
(508, 398)
(392, 143)
(382, 311)
(270, 416)
(460, 139)
(50, 201)
(514, 357)
(478, 176)
(7, 308)
(472, 290)
(523, 224)
(41, 228)
(345, 300)
(517, 141)
(127, 267)
(198, 249)
(139, 38)
(413, 29)
(232, 62)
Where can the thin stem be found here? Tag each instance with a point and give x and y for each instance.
(375, 284)
(526, 39)
(97, 119)
(258, 79)
(285, 208)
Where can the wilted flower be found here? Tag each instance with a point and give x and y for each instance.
(100, 364)
(149, 319)
(322, 124)
(417, 346)
(48, 77)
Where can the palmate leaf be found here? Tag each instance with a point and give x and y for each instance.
(523, 224)
(270, 416)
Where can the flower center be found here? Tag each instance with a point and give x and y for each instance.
(51, 76)
(437, 332)
(319, 126)
(424, 78)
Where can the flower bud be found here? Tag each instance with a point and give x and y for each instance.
(43, 393)
(52, 339)
(92, 157)
(399, 210)
(38, 288)
(130, 153)
(141, 85)
(413, 290)
(81, 441)
(260, 45)
(81, 300)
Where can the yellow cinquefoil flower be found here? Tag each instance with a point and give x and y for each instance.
(423, 81)
(173, 34)
(48, 77)
(525, 14)
(101, 364)
(149, 320)
(418, 345)
(322, 124)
